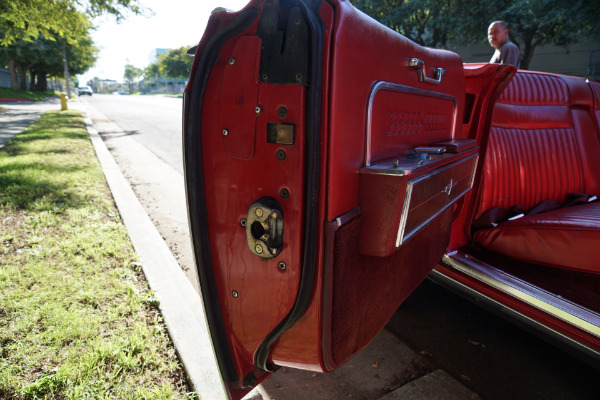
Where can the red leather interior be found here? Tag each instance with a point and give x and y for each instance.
(544, 144)
(596, 89)
(541, 238)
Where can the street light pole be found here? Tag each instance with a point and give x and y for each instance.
(64, 52)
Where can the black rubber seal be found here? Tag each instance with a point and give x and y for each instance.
(195, 191)
(313, 124)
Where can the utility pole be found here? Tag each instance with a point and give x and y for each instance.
(64, 51)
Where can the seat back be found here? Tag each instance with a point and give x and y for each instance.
(543, 143)
(596, 91)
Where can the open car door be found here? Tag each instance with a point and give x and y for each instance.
(324, 164)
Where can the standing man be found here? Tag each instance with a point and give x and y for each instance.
(506, 51)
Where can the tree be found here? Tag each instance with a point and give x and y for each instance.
(153, 72)
(176, 63)
(427, 22)
(535, 23)
(42, 58)
(532, 23)
(28, 19)
(45, 56)
(131, 74)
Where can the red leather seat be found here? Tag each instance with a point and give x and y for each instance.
(544, 144)
(566, 238)
(596, 90)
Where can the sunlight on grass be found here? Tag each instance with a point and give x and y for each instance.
(77, 319)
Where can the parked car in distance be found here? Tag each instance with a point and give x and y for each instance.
(85, 90)
(332, 165)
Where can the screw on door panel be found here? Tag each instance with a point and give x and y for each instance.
(225, 132)
(231, 61)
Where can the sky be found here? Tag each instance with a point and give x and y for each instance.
(175, 23)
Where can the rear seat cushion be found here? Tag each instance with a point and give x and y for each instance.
(544, 144)
(568, 237)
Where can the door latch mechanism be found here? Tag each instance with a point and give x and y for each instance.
(264, 228)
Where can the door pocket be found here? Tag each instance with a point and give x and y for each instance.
(399, 197)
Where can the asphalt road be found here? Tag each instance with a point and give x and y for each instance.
(485, 353)
(154, 121)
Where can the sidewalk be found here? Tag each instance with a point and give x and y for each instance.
(18, 115)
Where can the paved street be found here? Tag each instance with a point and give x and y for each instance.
(435, 337)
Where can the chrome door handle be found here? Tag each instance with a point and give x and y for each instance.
(419, 65)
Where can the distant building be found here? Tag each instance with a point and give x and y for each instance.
(154, 54)
(105, 85)
(161, 84)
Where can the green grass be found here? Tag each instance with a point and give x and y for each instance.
(6, 93)
(77, 320)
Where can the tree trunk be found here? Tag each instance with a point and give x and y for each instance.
(22, 77)
(13, 75)
(530, 45)
(527, 55)
(32, 78)
(41, 82)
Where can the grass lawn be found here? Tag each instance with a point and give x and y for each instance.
(6, 93)
(77, 320)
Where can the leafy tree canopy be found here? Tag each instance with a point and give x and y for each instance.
(29, 19)
(131, 72)
(38, 22)
(153, 71)
(43, 56)
(532, 23)
(176, 63)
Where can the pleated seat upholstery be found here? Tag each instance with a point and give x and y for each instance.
(544, 144)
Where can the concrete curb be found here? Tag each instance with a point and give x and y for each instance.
(180, 304)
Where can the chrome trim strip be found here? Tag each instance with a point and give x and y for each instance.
(404, 215)
(349, 216)
(584, 319)
(402, 235)
(396, 87)
(452, 284)
(474, 171)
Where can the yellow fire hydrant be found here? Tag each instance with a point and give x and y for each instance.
(63, 102)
